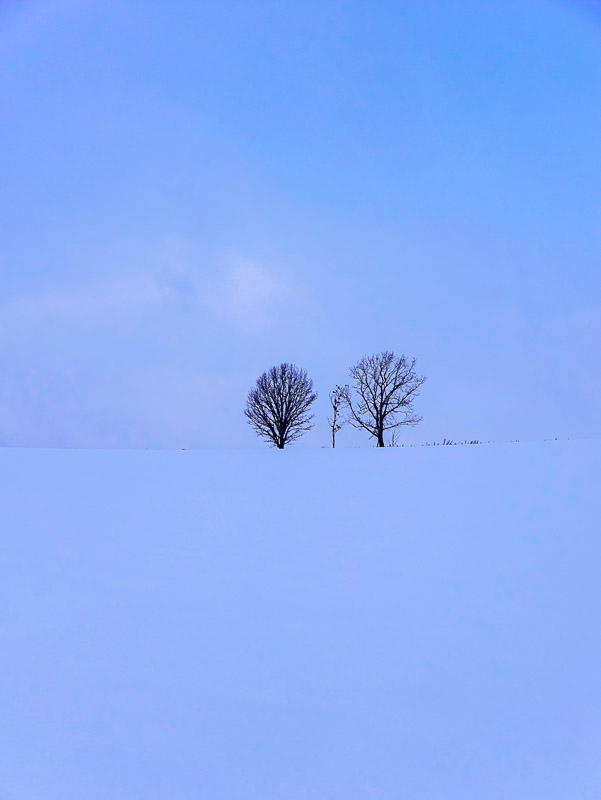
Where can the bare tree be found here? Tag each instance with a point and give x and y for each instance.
(385, 387)
(278, 405)
(394, 440)
(336, 421)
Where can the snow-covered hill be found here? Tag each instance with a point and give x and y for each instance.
(404, 624)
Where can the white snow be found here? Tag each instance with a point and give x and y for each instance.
(399, 624)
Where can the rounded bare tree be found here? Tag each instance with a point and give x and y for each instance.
(278, 406)
(385, 387)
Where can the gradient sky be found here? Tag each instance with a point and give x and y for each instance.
(194, 191)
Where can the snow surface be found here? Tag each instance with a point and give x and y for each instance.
(403, 624)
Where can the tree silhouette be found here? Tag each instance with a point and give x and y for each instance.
(278, 405)
(336, 421)
(385, 387)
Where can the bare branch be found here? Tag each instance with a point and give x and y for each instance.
(336, 421)
(278, 406)
(385, 387)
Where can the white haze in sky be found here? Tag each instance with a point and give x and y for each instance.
(193, 192)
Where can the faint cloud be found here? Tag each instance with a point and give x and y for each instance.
(238, 293)
(151, 354)
(177, 260)
(115, 302)
(182, 407)
(582, 321)
(250, 296)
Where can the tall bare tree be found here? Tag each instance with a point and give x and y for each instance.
(336, 421)
(278, 405)
(385, 387)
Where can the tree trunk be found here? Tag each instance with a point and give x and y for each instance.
(381, 439)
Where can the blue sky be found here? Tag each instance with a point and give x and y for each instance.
(192, 192)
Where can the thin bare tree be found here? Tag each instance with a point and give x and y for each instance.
(385, 387)
(278, 405)
(394, 440)
(336, 421)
